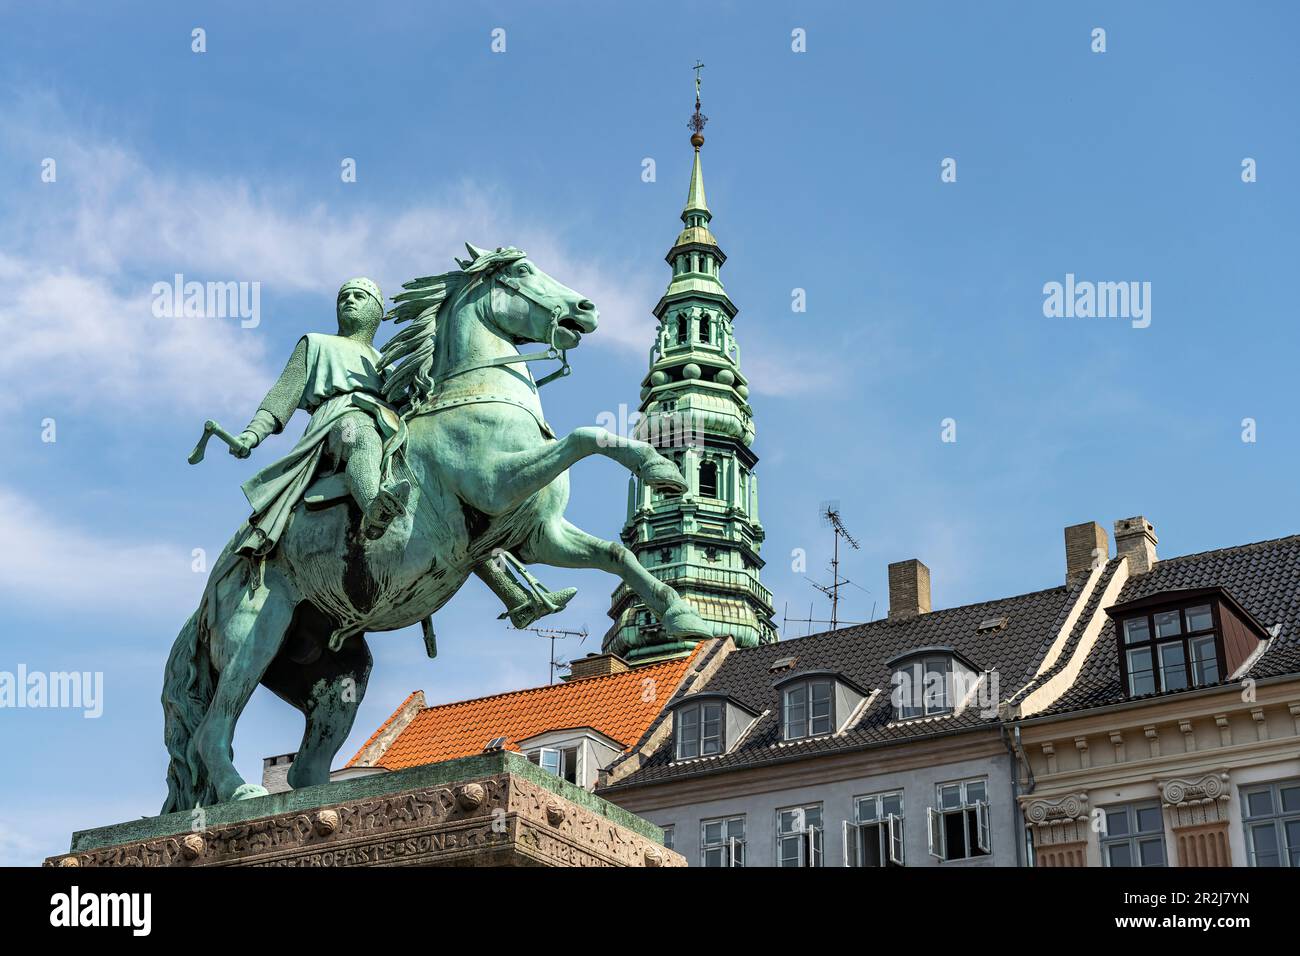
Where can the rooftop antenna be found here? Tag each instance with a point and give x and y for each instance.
(831, 516)
(555, 634)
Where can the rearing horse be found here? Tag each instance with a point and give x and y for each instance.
(488, 475)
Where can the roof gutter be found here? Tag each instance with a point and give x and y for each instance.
(1122, 705)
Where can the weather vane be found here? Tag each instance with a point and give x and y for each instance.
(698, 119)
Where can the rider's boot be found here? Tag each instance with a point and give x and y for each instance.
(388, 506)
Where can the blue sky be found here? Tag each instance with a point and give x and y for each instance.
(924, 298)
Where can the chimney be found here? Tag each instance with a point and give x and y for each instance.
(1136, 537)
(909, 589)
(597, 665)
(275, 772)
(1086, 547)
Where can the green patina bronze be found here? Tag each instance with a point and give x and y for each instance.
(695, 407)
(421, 464)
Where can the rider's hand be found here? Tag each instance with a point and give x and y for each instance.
(245, 443)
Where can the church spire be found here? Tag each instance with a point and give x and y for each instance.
(695, 409)
(696, 206)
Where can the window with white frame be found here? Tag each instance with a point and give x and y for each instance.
(561, 761)
(799, 836)
(808, 709)
(722, 841)
(958, 825)
(699, 729)
(1134, 835)
(875, 837)
(924, 687)
(1270, 814)
(670, 836)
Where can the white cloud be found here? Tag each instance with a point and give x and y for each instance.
(47, 562)
(84, 252)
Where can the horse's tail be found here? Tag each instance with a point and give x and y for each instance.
(187, 691)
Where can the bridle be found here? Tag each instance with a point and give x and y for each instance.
(552, 353)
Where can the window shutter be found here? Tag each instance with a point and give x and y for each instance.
(983, 829)
(851, 838)
(895, 839)
(934, 832)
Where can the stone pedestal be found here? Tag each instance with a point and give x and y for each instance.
(490, 810)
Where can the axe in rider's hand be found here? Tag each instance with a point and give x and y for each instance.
(211, 428)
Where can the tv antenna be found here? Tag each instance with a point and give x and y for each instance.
(555, 634)
(830, 515)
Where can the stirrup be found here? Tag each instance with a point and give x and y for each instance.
(542, 600)
(388, 506)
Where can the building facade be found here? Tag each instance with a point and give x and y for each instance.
(1166, 731)
(1143, 713)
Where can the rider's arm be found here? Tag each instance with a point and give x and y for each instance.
(283, 398)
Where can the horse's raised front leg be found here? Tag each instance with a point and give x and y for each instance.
(513, 476)
(565, 545)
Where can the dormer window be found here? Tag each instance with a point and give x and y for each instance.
(816, 703)
(705, 725)
(930, 681)
(1182, 639)
(699, 730)
(809, 709)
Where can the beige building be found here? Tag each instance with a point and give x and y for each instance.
(1163, 725)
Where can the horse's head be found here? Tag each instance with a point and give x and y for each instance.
(527, 305)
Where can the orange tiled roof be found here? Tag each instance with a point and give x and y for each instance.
(613, 704)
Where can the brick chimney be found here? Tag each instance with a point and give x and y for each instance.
(1136, 537)
(597, 665)
(1086, 547)
(909, 589)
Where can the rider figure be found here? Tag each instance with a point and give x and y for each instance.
(336, 379)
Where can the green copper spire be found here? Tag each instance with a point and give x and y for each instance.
(696, 206)
(695, 409)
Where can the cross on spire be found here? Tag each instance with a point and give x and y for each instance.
(698, 119)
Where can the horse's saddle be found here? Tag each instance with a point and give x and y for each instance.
(326, 491)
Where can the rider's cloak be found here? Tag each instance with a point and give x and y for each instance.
(342, 376)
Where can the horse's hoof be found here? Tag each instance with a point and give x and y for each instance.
(680, 621)
(663, 475)
(248, 791)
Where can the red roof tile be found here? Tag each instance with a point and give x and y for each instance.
(620, 706)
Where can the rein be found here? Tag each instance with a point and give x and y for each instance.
(552, 353)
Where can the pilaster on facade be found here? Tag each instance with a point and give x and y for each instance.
(1197, 811)
(1060, 828)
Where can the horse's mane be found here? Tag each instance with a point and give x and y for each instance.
(409, 385)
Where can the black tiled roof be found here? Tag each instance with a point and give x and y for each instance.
(1263, 577)
(860, 653)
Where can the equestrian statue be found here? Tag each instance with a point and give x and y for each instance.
(422, 463)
